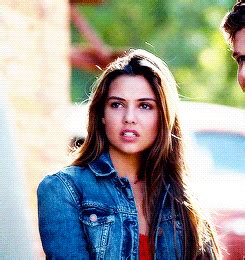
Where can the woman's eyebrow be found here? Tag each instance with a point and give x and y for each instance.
(147, 99)
(140, 99)
(114, 97)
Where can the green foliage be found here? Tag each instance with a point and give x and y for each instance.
(82, 82)
(185, 33)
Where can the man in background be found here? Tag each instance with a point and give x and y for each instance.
(233, 26)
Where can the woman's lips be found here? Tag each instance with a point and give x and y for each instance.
(129, 135)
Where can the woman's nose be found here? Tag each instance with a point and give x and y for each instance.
(129, 116)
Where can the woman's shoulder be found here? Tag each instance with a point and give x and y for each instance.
(69, 171)
(67, 183)
(65, 177)
(82, 177)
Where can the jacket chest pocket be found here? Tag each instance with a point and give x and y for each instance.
(170, 237)
(97, 223)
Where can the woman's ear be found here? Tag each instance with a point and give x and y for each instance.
(103, 120)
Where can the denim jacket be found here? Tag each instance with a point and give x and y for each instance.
(90, 213)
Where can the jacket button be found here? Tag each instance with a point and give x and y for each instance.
(93, 217)
(160, 231)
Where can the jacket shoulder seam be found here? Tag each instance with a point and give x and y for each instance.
(71, 188)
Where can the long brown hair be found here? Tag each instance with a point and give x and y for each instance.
(164, 162)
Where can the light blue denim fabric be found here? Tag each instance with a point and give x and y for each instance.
(90, 213)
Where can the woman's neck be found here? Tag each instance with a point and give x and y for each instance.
(127, 165)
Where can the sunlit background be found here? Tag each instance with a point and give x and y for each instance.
(52, 51)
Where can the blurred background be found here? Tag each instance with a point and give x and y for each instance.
(51, 53)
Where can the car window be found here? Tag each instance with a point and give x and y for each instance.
(227, 149)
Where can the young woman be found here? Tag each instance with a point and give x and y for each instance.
(125, 195)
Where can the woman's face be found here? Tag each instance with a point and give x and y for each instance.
(131, 115)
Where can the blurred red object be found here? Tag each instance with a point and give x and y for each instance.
(96, 54)
(230, 226)
(91, 59)
(86, 1)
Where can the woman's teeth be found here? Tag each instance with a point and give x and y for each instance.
(129, 134)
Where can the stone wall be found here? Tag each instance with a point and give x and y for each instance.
(34, 65)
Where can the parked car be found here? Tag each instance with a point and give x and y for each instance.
(216, 152)
(218, 168)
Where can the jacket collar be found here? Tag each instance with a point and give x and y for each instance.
(102, 166)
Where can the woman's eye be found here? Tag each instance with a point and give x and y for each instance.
(116, 105)
(240, 59)
(145, 106)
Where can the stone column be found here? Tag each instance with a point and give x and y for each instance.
(34, 66)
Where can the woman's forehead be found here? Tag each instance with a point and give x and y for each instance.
(131, 87)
